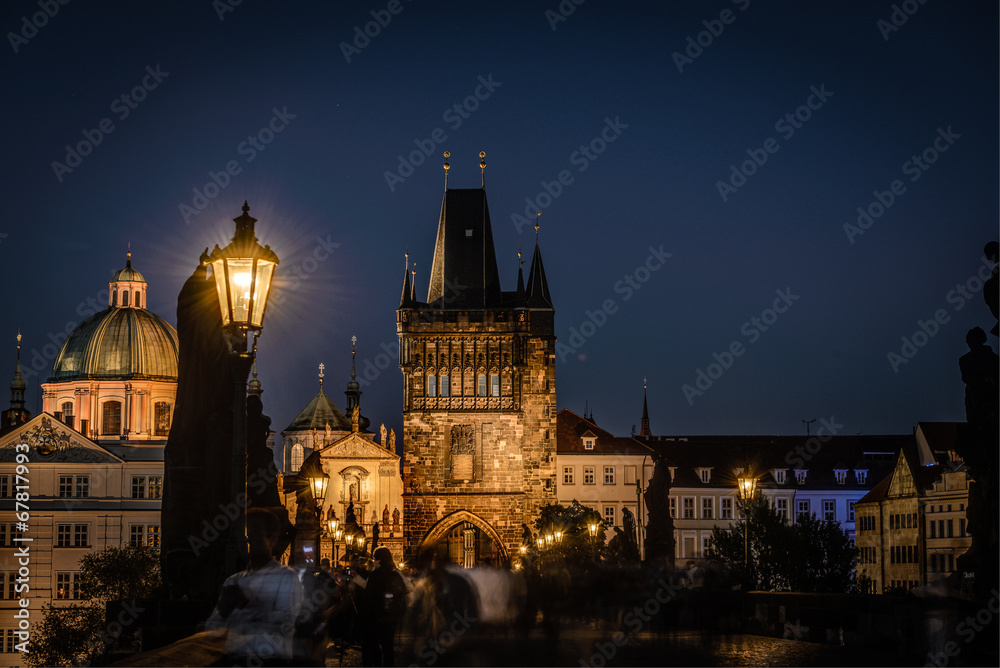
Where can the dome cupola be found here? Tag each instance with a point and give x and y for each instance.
(127, 288)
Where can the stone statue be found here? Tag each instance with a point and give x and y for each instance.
(199, 448)
(660, 526)
(392, 441)
(385, 514)
(355, 417)
(631, 544)
(395, 517)
(375, 533)
(382, 434)
(326, 437)
(261, 469)
(527, 538)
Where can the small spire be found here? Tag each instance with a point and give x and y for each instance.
(447, 154)
(538, 221)
(246, 208)
(522, 297)
(254, 387)
(482, 165)
(644, 430)
(354, 353)
(321, 367)
(413, 284)
(405, 300)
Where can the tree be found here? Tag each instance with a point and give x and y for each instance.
(76, 635)
(808, 556)
(577, 548)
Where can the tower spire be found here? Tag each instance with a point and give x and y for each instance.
(538, 286)
(353, 391)
(17, 413)
(644, 431)
(406, 299)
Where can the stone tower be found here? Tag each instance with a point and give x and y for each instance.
(479, 399)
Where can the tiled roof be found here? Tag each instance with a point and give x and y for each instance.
(570, 429)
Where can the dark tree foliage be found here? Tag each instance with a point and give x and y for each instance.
(577, 549)
(77, 634)
(808, 556)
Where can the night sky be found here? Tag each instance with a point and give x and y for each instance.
(658, 255)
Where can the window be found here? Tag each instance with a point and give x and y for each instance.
(445, 386)
(950, 525)
(705, 475)
(494, 385)
(112, 414)
(841, 475)
(80, 535)
(161, 418)
(829, 511)
(688, 504)
(297, 457)
(8, 645)
(800, 476)
(588, 475)
(931, 526)
(138, 299)
(153, 535)
(136, 534)
(155, 487)
(125, 298)
(707, 506)
(82, 486)
(861, 475)
(609, 475)
(567, 475)
(65, 486)
(138, 487)
(630, 472)
(779, 476)
(609, 515)
(5, 488)
(588, 444)
(64, 534)
(802, 509)
(67, 586)
(961, 526)
(481, 382)
(114, 298)
(850, 511)
(432, 386)
(706, 541)
(673, 507)
(726, 509)
(67, 411)
(781, 508)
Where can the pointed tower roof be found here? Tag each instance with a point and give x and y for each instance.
(644, 431)
(320, 411)
(405, 300)
(464, 272)
(522, 296)
(17, 414)
(538, 285)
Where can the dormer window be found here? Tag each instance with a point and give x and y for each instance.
(800, 476)
(841, 475)
(588, 440)
(861, 475)
(779, 475)
(705, 474)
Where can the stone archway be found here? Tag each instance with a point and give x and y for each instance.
(440, 530)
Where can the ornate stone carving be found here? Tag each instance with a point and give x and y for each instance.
(49, 444)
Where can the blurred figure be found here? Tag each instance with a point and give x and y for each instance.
(381, 604)
(261, 605)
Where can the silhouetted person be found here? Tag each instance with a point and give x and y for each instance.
(260, 606)
(980, 375)
(381, 605)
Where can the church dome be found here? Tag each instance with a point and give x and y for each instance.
(119, 343)
(128, 274)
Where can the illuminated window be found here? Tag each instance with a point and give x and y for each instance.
(161, 418)
(112, 414)
(481, 386)
(298, 455)
(155, 487)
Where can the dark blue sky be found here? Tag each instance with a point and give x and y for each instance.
(606, 69)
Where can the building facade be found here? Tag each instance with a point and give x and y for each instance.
(479, 395)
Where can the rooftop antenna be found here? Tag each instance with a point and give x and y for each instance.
(807, 424)
(447, 154)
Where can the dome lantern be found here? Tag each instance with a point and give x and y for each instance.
(127, 288)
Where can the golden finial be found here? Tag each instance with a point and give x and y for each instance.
(644, 383)
(321, 367)
(538, 217)
(19, 339)
(447, 154)
(482, 165)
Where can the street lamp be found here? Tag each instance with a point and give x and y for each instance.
(243, 272)
(746, 486)
(592, 528)
(318, 484)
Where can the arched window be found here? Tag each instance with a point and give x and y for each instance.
(114, 297)
(138, 299)
(297, 457)
(112, 418)
(161, 418)
(125, 298)
(67, 409)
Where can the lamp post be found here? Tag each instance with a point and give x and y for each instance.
(746, 486)
(319, 484)
(243, 272)
(331, 531)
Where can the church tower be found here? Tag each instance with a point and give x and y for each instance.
(479, 400)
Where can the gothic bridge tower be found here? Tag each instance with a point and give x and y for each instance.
(479, 395)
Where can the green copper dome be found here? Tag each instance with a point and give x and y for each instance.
(128, 274)
(119, 343)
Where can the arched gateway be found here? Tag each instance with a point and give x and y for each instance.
(479, 396)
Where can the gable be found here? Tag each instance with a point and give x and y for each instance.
(51, 441)
(902, 479)
(356, 446)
